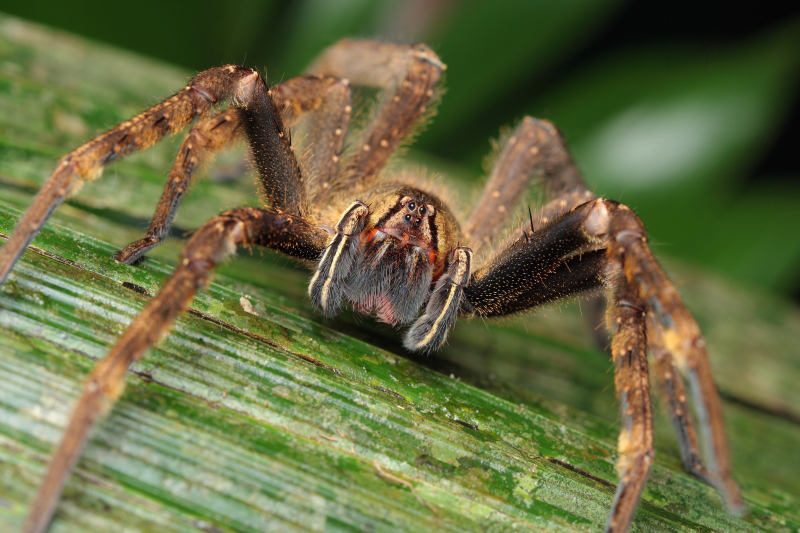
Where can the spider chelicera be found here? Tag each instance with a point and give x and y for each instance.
(385, 244)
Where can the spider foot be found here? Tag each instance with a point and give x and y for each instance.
(134, 253)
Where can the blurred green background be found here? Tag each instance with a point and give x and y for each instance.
(687, 111)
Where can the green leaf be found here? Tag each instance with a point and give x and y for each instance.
(275, 421)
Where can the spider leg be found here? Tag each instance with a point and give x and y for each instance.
(200, 143)
(406, 73)
(677, 330)
(558, 260)
(535, 270)
(553, 262)
(626, 319)
(317, 107)
(671, 384)
(565, 256)
(281, 228)
(88, 161)
(309, 95)
(211, 243)
(534, 149)
(271, 147)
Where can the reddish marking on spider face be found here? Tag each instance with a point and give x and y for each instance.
(404, 239)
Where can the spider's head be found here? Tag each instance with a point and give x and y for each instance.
(404, 248)
(412, 223)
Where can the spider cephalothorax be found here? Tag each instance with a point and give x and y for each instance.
(393, 249)
(387, 255)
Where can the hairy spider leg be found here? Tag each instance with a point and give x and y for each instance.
(534, 150)
(324, 98)
(566, 256)
(211, 243)
(88, 161)
(677, 331)
(215, 240)
(558, 260)
(681, 337)
(271, 147)
(198, 145)
(317, 110)
(672, 386)
(538, 269)
(550, 264)
(626, 321)
(408, 75)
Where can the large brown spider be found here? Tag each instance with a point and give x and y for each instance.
(390, 247)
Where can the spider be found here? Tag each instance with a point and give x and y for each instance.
(388, 245)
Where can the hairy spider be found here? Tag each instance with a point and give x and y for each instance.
(385, 244)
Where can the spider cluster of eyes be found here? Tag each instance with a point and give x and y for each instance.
(412, 206)
(412, 218)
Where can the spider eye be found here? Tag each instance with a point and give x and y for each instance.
(422, 210)
(412, 206)
(407, 218)
(419, 221)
